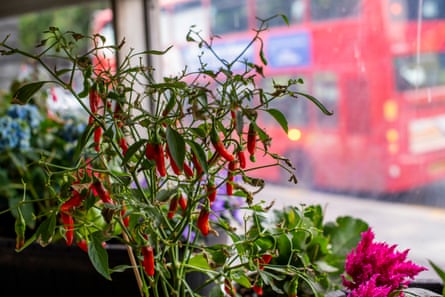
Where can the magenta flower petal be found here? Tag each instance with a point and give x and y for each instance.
(377, 267)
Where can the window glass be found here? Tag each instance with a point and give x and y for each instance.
(294, 10)
(409, 9)
(26, 31)
(333, 9)
(228, 16)
(325, 88)
(295, 110)
(419, 71)
(181, 17)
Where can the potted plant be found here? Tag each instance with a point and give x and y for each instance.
(147, 169)
(303, 251)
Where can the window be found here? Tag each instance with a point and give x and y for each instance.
(334, 9)
(172, 25)
(325, 89)
(228, 16)
(425, 70)
(295, 109)
(409, 9)
(293, 9)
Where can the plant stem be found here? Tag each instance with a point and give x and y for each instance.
(134, 264)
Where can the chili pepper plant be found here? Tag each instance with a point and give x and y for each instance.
(152, 157)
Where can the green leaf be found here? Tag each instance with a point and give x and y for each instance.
(325, 267)
(241, 278)
(265, 242)
(132, 149)
(164, 195)
(279, 117)
(218, 253)
(216, 292)
(284, 246)
(285, 19)
(199, 262)
(316, 102)
(176, 147)
(98, 255)
(46, 229)
(24, 93)
(262, 55)
(440, 272)
(157, 52)
(345, 233)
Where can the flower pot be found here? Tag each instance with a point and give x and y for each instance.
(58, 270)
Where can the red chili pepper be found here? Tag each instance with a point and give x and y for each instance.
(173, 164)
(258, 290)
(124, 145)
(265, 259)
(182, 202)
(203, 221)
(242, 159)
(94, 101)
(156, 153)
(229, 288)
(173, 207)
(75, 201)
(187, 170)
(160, 161)
(103, 194)
(125, 218)
(83, 245)
(150, 152)
(211, 191)
(68, 224)
(251, 141)
(231, 177)
(219, 146)
(97, 137)
(149, 260)
(197, 165)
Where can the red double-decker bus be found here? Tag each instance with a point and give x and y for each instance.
(379, 65)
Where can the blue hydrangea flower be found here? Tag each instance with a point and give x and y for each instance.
(14, 134)
(28, 113)
(72, 130)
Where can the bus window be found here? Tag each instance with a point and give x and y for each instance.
(294, 10)
(295, 110)
(409, 9)
(325, 89)
(228, 16)
(333, 9)
(417, 71)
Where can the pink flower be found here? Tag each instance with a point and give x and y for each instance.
(370, 289)
(376, 269)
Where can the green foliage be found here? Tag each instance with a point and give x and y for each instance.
(76, 18)
(308, 253)
(147, 165)
(440, 272)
